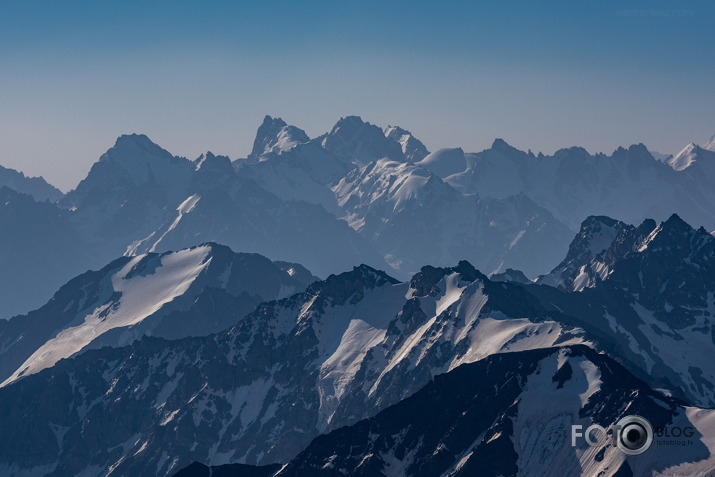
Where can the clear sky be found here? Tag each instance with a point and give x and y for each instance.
(197, 76)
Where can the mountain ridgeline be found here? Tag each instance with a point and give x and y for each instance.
(354, 304)
(345, 348)
(356, 194)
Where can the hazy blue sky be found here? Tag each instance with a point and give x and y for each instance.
(197, 76)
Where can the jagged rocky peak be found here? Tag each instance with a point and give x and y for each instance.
(501, 150)
(209, 162)
(501, 144)
(426, 281)
(357, 142)
(337, 289)
(597, 234)
(669, 267)
(275, 136)
(637, 152)
(412, 148)
(673, 236)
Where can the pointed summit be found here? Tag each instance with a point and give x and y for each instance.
(352, 285)
(691, 155)
(500, 143)
(685, 158)
(132, 145)
(501, 149)
(412, 148)
(357, 142)
(597, 234)
(274, 136)
(211, 163)
(141, 159)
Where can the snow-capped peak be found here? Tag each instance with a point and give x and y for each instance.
(357, 142)
(412, 148)
(274, 136)
(445, 162)
(391, 182)
(139, 288)
(574, 272)
(684, 158)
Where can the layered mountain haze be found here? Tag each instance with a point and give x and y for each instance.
(39, 250)
(354, 304)
(294, 197)
(37, 187)
(630, 185)
(397, 205)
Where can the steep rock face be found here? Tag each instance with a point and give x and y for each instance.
(656, 286)
(412, 148)
(511, 414)
(666, 265)
(596, 235)
(192, 292)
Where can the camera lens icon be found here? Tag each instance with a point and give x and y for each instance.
(634, 435)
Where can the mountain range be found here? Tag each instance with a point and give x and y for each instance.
(357, 343)
(356, 194)
(509, 414)
(353, 304)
